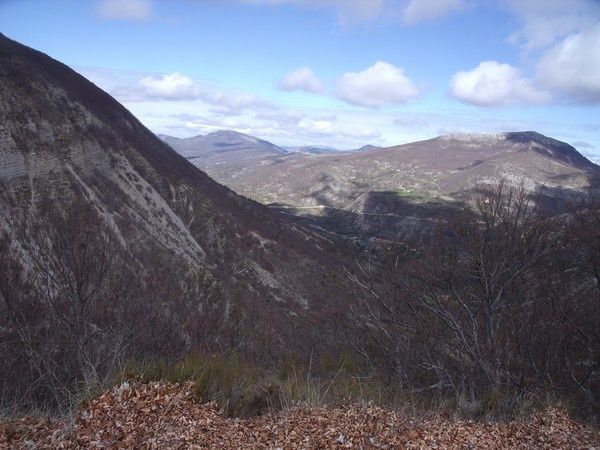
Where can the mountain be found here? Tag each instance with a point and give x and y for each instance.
(66, 143)
(227, 155)
(224, 143)
(239, 161)
(366, 148)
(383, 189)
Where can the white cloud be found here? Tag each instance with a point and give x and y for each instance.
(572, 66)
(380, 85)
(173, 86)
(563, 40)
(318, 126)
(595, 158)
(494, 84)
(543, 23)
(233, 102)
(137, 10)
(213, 107)
(302, 79)
(426, 10)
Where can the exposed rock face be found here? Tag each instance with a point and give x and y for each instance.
(62, 138)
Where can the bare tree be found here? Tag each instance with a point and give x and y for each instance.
(464, 299)
(580, 313)
(84, 306)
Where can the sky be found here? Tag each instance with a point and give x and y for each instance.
(341, 73)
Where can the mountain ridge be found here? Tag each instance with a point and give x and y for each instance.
(230, 140)
(221, 141)
(64, 140)
(410, 182)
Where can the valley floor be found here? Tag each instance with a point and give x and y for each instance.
(164, 415)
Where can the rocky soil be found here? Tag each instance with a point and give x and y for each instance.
(167, 416)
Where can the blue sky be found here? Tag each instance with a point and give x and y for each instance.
(333, 72)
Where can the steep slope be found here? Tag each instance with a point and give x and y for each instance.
(62, 139)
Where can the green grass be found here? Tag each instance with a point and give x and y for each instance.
(412, 195)
(241, 389)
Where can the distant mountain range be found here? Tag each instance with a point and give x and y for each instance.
(233, 143)
(382, 189)
(221, 142)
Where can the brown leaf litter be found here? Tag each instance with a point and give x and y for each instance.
(166, 416)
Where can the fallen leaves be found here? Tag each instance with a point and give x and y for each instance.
(161, 415)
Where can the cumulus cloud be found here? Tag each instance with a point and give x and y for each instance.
(137, 10)
(572, 66)
(317, 126)
(173, 86)
(588, 150)
(494, 84)
(380, 85)
(302, 79)
(426, 10)
(594, 158)
(160, 106)
(563, 40)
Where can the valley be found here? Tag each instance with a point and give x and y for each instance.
(382, 192)
(314, 287)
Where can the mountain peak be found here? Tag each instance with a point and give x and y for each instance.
(231, 134)
(222, 142)
(530, 140)
(476, 138)
(550, 147)
(367, 148)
